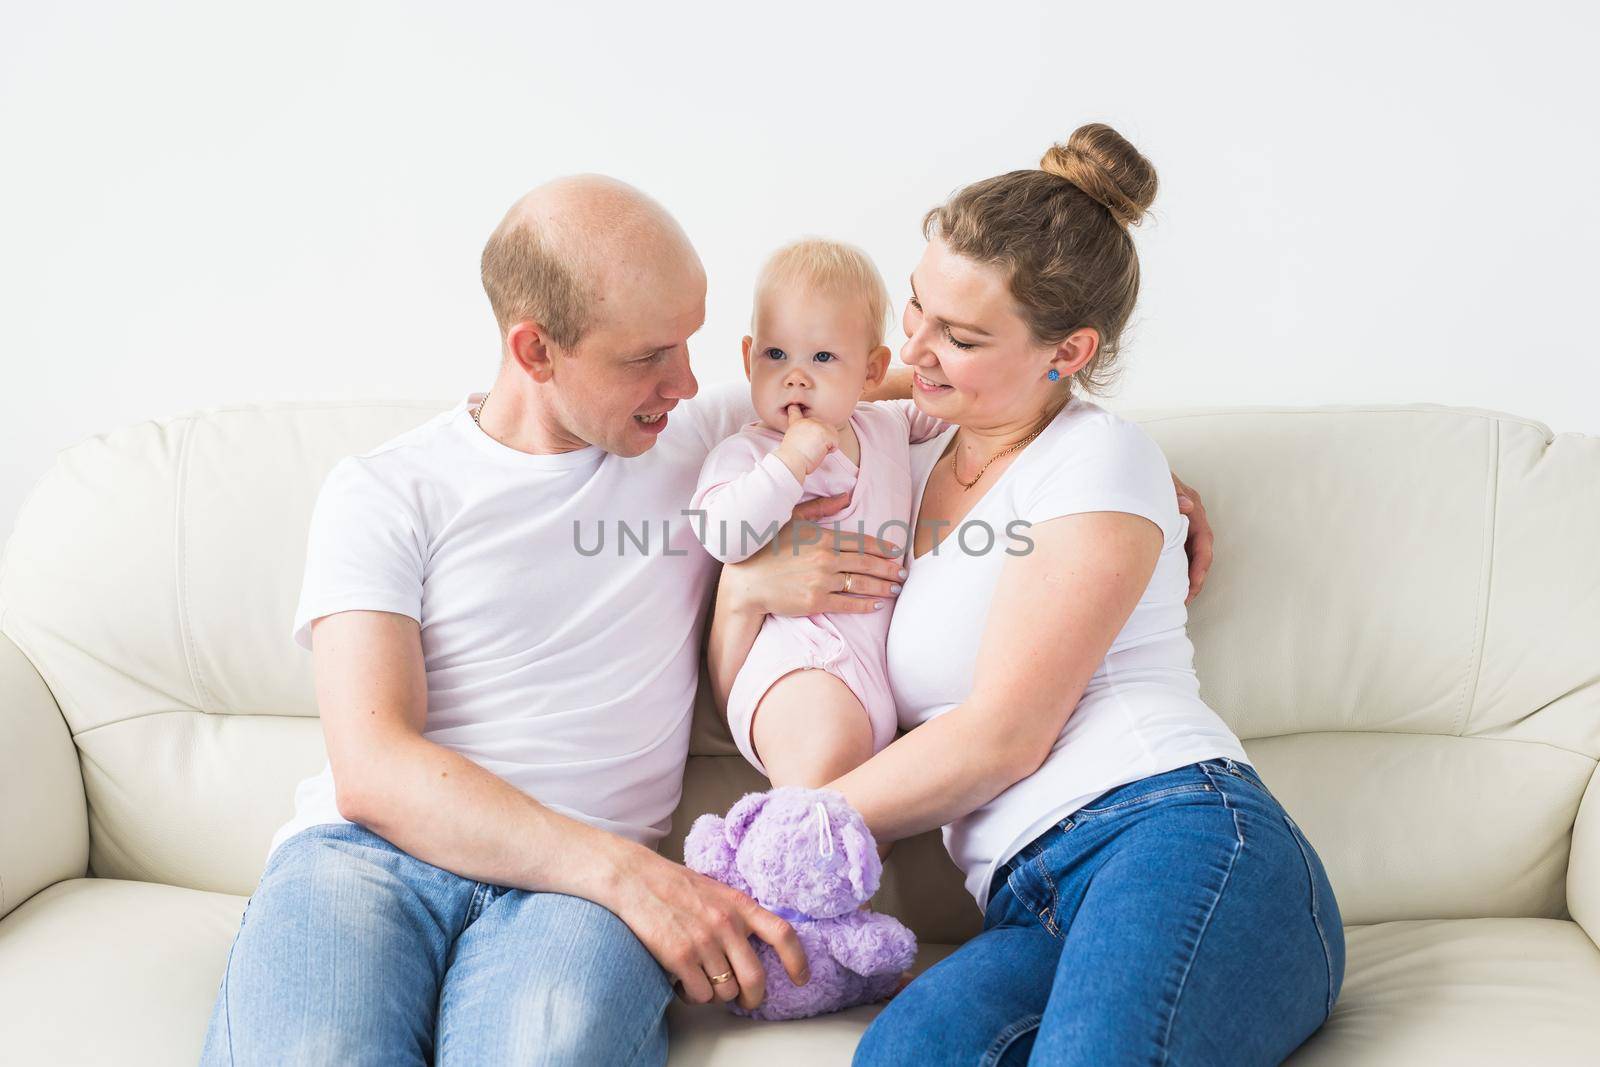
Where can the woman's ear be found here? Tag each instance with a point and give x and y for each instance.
(741, 815)
(1078, 348)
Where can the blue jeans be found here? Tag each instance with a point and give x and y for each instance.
(354, 952)
(1179, 919)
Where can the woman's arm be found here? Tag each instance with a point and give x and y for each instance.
(1055, 613)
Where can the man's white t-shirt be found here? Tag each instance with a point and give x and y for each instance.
(1141, 714)
(560, 599)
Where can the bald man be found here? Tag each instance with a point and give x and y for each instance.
(471, 878)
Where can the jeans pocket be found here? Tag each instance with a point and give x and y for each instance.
(1035, 888)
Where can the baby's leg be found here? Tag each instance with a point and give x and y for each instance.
(809, 729)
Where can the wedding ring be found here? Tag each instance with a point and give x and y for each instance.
(718, 979)
(847, 578)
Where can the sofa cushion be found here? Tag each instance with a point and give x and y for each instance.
(1463, 991)
(101, 971)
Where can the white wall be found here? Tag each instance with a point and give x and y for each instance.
(210, 205)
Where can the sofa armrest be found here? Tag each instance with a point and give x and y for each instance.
(44, 820)
(1583, 868)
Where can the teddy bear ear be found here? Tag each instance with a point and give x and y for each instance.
(704, 848)
(742, 814)
(862, 864)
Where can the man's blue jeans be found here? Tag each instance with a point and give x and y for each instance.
(1181, 919)
(354, 952)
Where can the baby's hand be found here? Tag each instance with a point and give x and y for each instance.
(808, 441)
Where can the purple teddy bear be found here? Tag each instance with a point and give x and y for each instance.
(808, 857)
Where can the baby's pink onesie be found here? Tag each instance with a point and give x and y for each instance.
(747, 492)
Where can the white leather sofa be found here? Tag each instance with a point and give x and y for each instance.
(1403, 625)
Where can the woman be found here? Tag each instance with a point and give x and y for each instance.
(1145, 896)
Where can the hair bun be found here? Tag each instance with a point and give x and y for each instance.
(1109, 170)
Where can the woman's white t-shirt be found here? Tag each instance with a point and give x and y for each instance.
(1141, 713)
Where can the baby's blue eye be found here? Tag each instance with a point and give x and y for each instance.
(825, 357)
(773, 353)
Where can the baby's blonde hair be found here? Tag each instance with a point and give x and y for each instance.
(830, 267)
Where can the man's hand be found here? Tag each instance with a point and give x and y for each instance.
(806, 443)
(1198, 543)
(696, 927)
(804, 570)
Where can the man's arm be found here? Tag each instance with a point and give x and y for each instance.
(446, 810)
(1199, 543)
(430, 801)
(896, 385)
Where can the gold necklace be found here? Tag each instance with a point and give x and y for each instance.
(1009, 448)
(479, 410)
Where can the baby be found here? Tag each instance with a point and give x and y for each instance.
(811, 698)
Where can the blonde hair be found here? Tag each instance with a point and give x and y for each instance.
(527, 276)
(1061, 232)
(833, 268)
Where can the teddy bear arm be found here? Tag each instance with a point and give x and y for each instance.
(871, 944)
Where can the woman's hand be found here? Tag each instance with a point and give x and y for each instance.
(1198, 544)
(805, 570)
(810, 569)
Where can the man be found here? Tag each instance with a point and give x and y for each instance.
(472, 653)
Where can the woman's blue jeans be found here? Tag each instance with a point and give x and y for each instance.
(1181, 919)
(354, 952)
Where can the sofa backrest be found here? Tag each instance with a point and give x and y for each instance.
(1402, 624)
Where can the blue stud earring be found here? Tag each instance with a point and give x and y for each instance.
(1054, 375)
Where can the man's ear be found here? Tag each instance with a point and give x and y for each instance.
(530, 348)
(745, 347)
(877, 365)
